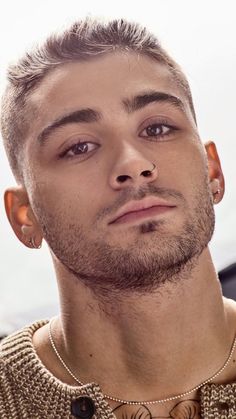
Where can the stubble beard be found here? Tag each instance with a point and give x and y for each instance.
(140, 268)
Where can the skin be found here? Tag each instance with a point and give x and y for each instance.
(102, 330)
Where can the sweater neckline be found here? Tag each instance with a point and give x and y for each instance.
(46, 394)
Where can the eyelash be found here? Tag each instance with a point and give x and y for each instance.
(162, 124)
(170, 128)
(77, 143)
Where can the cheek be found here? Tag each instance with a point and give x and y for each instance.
(195, 179)
(196, 164)
(70, 201)
(185, 168)
(70, 189)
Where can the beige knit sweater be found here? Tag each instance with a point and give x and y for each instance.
(29, 390)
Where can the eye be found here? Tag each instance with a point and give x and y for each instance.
(78, 149)
(157, 130)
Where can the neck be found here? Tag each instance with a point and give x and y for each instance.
(151, 342)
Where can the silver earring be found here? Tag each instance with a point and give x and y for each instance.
(33, 244)
(216, 195)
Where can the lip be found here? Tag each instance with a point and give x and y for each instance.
(139, 209)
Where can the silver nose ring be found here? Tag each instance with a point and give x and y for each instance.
(148, 172)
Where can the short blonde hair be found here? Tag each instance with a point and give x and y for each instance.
(81, 41)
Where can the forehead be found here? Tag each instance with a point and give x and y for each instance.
(101, 83)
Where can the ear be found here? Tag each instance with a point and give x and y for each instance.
(21, 217)
(216, 177)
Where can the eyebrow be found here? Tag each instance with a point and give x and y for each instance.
(142, 100)
(89, 115)
(83, 115)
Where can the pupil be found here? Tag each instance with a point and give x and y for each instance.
(81, 147)
(153, 130)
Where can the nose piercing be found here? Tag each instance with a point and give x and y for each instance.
(147, 173)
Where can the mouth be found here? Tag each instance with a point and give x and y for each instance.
(138, 210)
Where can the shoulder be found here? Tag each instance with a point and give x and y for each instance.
(230, 309)
(19, 337)
(16, 350)
(17, 346)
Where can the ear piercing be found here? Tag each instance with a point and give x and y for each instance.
(33, 244)
(215, 187)
(216, 195)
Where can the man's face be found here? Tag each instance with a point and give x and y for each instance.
(84, 168)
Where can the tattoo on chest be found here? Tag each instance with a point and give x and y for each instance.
(186, 409)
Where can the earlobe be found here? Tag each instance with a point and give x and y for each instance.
(215, 173)
(21, 217)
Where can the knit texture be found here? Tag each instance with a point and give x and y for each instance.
(29, 390)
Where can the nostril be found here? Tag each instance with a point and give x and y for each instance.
(146, 173)
(122, 178)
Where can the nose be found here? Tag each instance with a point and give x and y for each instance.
(134, 170)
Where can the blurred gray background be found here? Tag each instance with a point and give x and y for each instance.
(201, 36)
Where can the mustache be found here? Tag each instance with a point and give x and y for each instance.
(130, 193)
